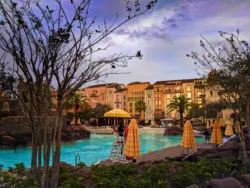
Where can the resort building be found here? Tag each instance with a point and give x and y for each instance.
(165, 91)
(101, 93)
(136, 92)
(149, 101)
(120, 97)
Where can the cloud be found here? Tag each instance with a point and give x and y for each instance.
(172, 30)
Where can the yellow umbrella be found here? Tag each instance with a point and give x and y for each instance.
(238, 128)
(229, 130)
(222, 122)
(188, 136)
(117, 113)
(216, 135)
(208, 124)
(132, 146)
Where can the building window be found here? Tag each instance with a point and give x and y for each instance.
(178, 94)
(110, 92)
(199, 94)
(158, 102)
(130, 104)
(130, 110)
(199, 101)
(149, 96)
(189, 95)
(190, 100)
(124, 97)
(188, 88)
(168, 96)
(211, 93)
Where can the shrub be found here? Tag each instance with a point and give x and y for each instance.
(164, 174)
(80, 164)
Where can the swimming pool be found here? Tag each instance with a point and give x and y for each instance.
(97, 148)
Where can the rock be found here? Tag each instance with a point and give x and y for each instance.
(224, 183)
(18, 127)
(245, 178)
(173, 131)
(81, 171)
(8, 141)
(193, 186)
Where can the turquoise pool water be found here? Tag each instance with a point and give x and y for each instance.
(97, 148)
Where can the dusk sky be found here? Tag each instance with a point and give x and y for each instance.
(167, 33)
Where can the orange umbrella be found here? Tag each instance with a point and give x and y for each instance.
(212, 124)
(132, 146)
(222, 122)
(216, 135)
(229, 130)
(188, 136)
(238, 128)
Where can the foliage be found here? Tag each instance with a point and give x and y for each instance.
(75, 101)
(181, 104)
(100, 109)
(195, 111)
(80, 164)
(68, 180)
(140, 106)
(85, 114)
(17, 177)
(164, 174)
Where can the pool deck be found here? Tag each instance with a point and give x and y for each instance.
(167, 153)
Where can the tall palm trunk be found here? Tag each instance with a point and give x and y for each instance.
(181, 118)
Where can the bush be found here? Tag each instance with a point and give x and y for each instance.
(17, 177)
(164, 174)
(80, 164)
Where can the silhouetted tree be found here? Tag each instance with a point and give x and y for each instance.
(227, 65)
(56, 44)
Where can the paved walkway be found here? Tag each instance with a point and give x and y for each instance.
(169, 153)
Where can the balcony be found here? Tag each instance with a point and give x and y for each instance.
(178, 90)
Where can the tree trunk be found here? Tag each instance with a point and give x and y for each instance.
(56, 154)
(46, 154)
(248, 116)
(181, 119)
(34, 153)
(75, 116)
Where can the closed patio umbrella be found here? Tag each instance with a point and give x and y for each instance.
(222, 122)
(211, 123)
(132, 146)
(216, 135)
(188, 140)
(229, 130)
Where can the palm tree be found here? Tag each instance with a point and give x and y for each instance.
(140, 106)
(181, 104)
(76, 101)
